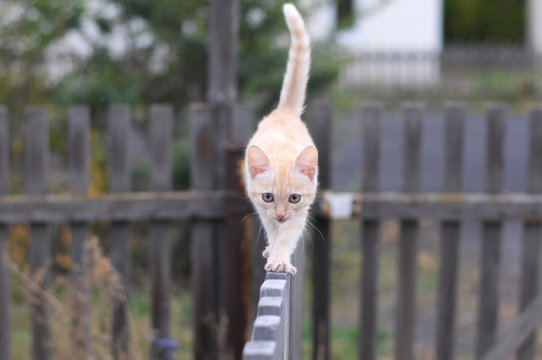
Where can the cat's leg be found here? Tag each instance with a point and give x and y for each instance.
(271, 233)
(284, 245)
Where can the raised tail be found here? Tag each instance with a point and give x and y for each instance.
(292, 95)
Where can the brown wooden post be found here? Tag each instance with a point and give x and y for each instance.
(454, 118)
(118, 131)
(79, 152)
(160, 141)
(222, 93)
(36, 182)
(237, 256)
(320, 121)
(370, 230)
(532, 231)
(408, 242)
(491, 231)
(5, 297)
(203, 265)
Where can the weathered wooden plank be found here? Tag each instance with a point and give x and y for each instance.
(320, 120)
(532, 231)
(412, 146)
(296, 303)
(447, 293)
(370, 247)
(408, 241)
(160, 142)
(203, 280)
(36, 182)
(212, 206)
(406, 314)
(368, 338)
(454, 118)
(118, 207)
(270, 336)
(118, 132)
(491, 232)
(79, 165)
(5, 298)
(516, 333)
(371, 117)
(4, 150)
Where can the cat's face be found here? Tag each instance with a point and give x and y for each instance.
(280, 191)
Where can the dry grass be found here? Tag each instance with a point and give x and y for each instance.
(67, 302)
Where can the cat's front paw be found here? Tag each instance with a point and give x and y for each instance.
(280, 265)
(265, 253)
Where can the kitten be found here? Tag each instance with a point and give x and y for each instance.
(281, 162)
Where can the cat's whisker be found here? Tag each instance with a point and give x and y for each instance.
(247, 215)
(308, 235)
(315, 228)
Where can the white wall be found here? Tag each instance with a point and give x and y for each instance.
(396, 25)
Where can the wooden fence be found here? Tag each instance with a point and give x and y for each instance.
(217, 148)
(221, 253)
(450, 208)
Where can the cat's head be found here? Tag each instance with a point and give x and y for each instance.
(281, 188)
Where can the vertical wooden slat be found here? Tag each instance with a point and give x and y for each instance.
(36, 182)
(532, 231)
(296, 303)
(491, 231)
(118, 131)
(320, 125)
(454, 118)
(5, 324)
(372, 117)
(160, 142)
(202, 257)
(408, 241)
(79, 152)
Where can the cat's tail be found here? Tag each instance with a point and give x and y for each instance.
(292, 95)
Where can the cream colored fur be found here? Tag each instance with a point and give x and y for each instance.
(281, 158)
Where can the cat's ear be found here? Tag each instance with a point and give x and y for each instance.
(257, 161)
(307, 162)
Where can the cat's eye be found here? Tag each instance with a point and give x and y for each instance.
(294, 198)
(267, 197)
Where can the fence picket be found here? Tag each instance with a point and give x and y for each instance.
(79, 152)
(532, 231)
(370, 247)
(454, 118)
(408, 241)
(320, 120)
(160, 142)
(118, 131)
(36, 182)
(491, 231)
(5, 299)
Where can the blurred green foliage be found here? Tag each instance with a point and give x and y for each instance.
(484, 21)
(139, 52)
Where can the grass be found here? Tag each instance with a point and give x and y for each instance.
(105, 288)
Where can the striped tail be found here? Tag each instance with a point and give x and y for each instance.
(292, 95)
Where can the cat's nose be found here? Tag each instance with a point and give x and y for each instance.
(280, 217)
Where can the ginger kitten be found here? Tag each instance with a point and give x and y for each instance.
(281, 162)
